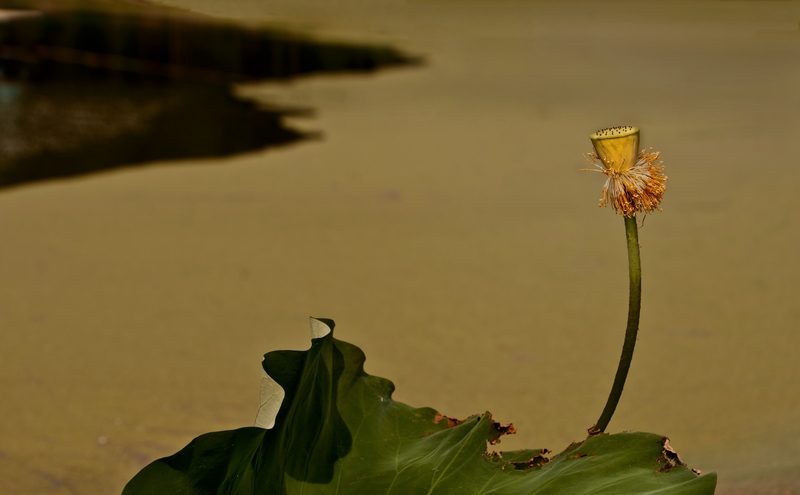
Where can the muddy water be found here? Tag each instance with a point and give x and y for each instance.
(443, 225)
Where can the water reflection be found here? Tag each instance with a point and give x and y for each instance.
(82, 91)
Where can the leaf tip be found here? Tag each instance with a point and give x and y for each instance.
(272, 395)
(320, 327)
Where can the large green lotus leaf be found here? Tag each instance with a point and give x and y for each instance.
(330, 428)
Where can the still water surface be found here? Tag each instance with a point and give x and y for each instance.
(441, 222)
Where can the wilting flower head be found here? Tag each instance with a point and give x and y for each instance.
(635, 183)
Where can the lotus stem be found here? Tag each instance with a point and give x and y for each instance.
(634, 305)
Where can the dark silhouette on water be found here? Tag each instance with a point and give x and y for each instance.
(83, 91)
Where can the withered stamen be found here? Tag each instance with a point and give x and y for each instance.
(637, 189)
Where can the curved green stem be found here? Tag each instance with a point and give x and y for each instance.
(634, 305)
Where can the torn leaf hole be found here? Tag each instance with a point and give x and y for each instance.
(537, 461)
(669, 457)
(451, 422)
(502, 430)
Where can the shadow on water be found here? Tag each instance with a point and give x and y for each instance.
(86, 90)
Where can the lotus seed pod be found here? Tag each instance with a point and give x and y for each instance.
(617, 147)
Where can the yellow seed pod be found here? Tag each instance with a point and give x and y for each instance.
(617, 147)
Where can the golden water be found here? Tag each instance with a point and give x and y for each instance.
(443, 224)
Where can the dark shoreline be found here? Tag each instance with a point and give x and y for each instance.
(87, 90)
